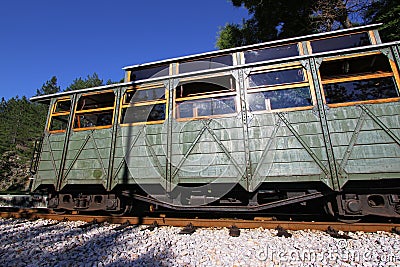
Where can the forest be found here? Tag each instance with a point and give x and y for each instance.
(22, 122)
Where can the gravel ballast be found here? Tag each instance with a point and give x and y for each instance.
(48, 243)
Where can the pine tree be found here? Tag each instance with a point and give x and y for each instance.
(271, 19)
(388, 13)
(90, 81)
(49, 87)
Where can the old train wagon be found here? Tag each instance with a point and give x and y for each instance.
(312, 119)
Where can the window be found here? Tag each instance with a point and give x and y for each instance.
(94, 110)
(60, 115)
(340, 42)
(206, 63)
(276, 77)
(206, 97)
(270, 53)
(279, 99)
(356, 79)
(149, 72)
(144, 104)
(278, 89)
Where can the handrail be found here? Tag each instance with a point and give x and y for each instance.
(36, 155)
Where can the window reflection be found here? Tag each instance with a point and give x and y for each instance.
(270, 53)
(341, 42)
(206, 63)
(145, 113)
(351, 91)
(351, 66)
(278, 99)
(276, 77)
(358, 79)
(206, 97)
(206, 107)
(145, 95)
(149, 72)
(144, 104)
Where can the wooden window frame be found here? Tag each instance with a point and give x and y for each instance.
(206, 96)
(306, 83)
(53, 113)
(94, 110)
(349, 78)
(124, 104)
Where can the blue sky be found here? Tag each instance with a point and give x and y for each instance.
(75, 38)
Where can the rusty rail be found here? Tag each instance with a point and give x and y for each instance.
(198, 222)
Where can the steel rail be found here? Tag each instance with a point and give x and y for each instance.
(266, 223)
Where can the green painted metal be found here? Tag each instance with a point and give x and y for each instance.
(332, 180)
(346, 155)
(303, 143)
(50, 156)
(246, 117)
(366, 141)
(87, 160)
(118, 94)
(66, 143)
(280, 152)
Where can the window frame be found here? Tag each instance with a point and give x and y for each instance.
(394, 73)
(308, 82)
(93, 110)
(125, 105)
(53, 114)
(206, 96)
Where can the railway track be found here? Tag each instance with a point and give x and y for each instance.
(257, 222)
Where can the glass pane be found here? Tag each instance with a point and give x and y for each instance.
(352, 66)
(286, 98)
(143, 113)
(204, 86)
(63, 106)
(151, 72)
(206, 63)
(271, 53)
(276, 77)
(59, 123)
(206, 107)
(360, 90)
(93, 119)
(95, 101)
(341, 42)
(223, 105)
(145, 95)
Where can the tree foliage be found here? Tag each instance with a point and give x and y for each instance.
(271, 20)
(90, 81)
(49, 87)
(388, 13)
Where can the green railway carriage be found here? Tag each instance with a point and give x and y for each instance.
(312, 119)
